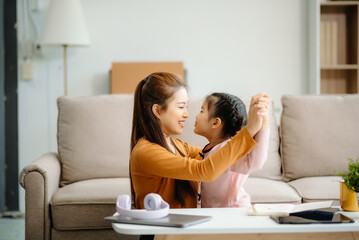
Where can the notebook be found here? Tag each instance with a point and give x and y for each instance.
(285, 209)
(172, 220)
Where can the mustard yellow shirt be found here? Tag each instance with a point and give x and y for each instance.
(154, 169)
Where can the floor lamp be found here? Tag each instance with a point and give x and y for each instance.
(65, 26)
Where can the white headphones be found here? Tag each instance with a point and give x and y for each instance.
(155, 206)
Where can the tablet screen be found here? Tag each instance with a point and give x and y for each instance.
(313, 216)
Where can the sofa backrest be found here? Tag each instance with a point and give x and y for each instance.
(318, 134)
(94, 137)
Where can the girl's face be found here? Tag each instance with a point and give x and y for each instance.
(172, 119)
(203, 123)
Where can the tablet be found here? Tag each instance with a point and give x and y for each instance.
(172, 220)
(312, 217)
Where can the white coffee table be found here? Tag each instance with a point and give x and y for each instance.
(233, 223)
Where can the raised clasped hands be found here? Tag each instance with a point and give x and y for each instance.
(258, 113)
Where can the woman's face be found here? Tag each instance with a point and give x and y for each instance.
(172, 119)
(203, 123)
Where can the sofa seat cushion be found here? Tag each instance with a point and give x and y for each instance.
(84, 204)
(264, 190)
(318, 188)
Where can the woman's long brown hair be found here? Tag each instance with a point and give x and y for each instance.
(157, 88)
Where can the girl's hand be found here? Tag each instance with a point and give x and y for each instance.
(258, 111)
(265, 121)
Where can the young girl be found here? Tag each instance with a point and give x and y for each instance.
(168, 166)
(221, 116)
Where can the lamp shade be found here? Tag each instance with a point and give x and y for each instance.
(65, 24)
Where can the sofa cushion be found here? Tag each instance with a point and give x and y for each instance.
(318, 134)
(264, 190)
(318, 188)
(272, 167)
(94, 136)
(84, 204)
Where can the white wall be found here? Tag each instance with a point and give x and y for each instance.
(237, 46)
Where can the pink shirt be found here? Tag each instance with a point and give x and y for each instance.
(227, 190)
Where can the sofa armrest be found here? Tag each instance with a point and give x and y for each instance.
(40, 180)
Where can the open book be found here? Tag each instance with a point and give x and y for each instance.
(285, 209)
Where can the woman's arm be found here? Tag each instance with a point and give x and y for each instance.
(151, 159)
(192, 151)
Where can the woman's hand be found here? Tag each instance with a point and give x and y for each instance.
(258, 113)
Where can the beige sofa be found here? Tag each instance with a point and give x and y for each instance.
(70, 192)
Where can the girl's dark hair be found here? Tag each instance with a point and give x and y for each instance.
(157, 88)
(230, 109)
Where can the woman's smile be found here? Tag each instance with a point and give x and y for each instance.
(181, 123)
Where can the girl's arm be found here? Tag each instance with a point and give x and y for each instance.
(254, 160)
(150, 159)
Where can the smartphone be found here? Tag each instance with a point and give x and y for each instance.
(313, 217)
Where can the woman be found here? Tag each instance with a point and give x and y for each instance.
(168, 166)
